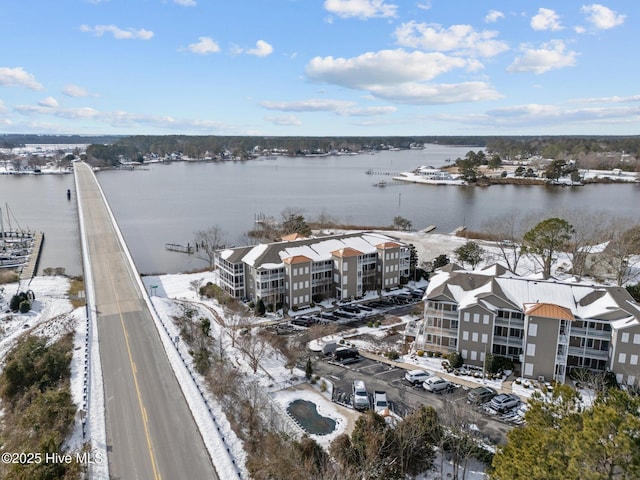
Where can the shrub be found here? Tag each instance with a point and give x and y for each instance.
(25, 306)
(430, 354)
(420, 353)
(393, 355)
(455, 360)
(437, 354)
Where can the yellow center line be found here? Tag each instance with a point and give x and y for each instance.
(143, 411)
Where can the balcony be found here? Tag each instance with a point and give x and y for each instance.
(589, 352)
(508, 341)
(590, 333)
(505, 322)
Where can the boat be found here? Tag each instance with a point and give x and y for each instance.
(16, 245)
(429, 176)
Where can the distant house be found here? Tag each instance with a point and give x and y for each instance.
(296, 271)
(547, 326)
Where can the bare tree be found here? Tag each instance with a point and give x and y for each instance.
(622, 254)
(256, 348)
(208, 242)
(507, 231)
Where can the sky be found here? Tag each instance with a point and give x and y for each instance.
(319, 67)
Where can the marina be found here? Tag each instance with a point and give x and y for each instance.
(19, 249)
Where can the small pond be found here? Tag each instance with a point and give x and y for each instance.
(307, 416)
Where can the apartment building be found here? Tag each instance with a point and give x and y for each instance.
(547, 326)
(297, 270)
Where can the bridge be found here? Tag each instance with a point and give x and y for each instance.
(149, 431)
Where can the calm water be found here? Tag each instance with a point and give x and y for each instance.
(168, 203)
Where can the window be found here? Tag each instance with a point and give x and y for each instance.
(465, 335)
(625, 337)
(633, 360)
(622, 357)
(474, 355)
(474, 337)
(485, 338)
(485, 319)
(464, 354)
(465, 317)
(636, 338)
(528, 369)
(345, 266)
(476, 318)
(533, 329)
(531, 349)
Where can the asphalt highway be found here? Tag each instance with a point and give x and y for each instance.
(151, 433)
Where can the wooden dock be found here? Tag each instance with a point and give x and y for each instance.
(30, 268)
(174, 247)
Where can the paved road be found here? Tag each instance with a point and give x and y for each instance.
(151, 433)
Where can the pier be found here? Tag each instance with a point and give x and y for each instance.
(174, 247)
(30, 268)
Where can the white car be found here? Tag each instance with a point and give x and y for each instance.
(416, 377)
(437, 385)
(504, 402)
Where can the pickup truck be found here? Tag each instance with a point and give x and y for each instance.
(380, 400)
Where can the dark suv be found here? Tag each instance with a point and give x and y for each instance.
(480, 395)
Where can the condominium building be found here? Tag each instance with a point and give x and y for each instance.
(547, 326)
(297, 270)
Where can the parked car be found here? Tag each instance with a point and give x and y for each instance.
(360, 397)
(380, 400)
(480, 395)
(301, 321)
(437, 385)
(416, 377)
(504, 402)
(345, 353)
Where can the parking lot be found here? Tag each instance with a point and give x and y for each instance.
(402, 396)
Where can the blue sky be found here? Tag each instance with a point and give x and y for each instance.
(319, 67)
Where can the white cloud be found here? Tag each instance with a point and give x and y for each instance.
(549, 56)
(362, 9)
(426, 5)
(75, 91)
(532, 114)
(118, 33)
(204, 46)
(386, 67)
(311, 105)
(185, 3)
(397, 75)
(287, 121)
(339, 107)
(457, 38)
(614, 99)
(18, 77)
(436, 94)
(262, 49)
(546, 19)
(49, 102)
(493, 16)
(579, 29)
(601, 17)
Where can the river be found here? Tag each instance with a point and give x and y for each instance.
(169, 203)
